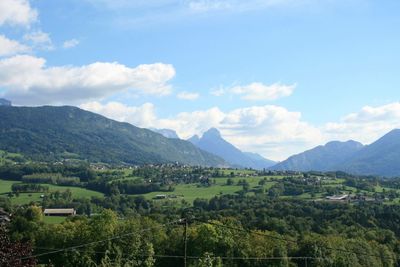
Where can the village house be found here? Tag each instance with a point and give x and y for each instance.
(59, 212)
(338, 198)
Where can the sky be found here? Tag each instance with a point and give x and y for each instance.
(276, 77)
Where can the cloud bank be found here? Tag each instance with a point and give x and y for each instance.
(366, 125)
(27, 80)
(270, 130)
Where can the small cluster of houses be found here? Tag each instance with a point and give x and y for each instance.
(5, 217)
(350, 198)
(338, 198)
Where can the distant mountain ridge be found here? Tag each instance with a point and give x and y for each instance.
(379, 158)
(54, 133)
(57, 133)
(321, 158)
(212, 142)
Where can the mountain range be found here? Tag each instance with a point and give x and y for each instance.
(321, 158)
(382, 157)
(212, 142)
(56, 133)
(379, 158)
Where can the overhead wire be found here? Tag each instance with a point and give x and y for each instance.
(53, 251)
(291, 241)
(98, 241)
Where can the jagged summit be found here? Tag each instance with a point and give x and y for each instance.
(214, 143)
(211, 133)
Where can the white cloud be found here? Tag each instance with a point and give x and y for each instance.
(17, 12)
(272, 131)
(258, 91)
(118, 4)
(187, 124)
(209, 5)
(366, 125)
(70, 43)
(40, 40)
(218, 91)
(27, 80)
(188, 95)
(10, 47)
(143, 116)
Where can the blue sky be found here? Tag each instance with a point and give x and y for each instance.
(275, 76)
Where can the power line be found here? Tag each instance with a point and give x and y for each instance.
(222, 257)
(97, 242)
(213, 257)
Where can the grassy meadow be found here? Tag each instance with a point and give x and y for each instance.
(25, 198)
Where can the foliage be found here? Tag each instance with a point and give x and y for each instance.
(29, 188)
(11, 253)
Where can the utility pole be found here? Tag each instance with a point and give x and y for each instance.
(185, 243)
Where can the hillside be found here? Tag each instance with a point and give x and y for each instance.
(322, 158)
(213, 142)
(55, 133)
(379, 158)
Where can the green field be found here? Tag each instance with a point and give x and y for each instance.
(189, 192)
(5, 186)
(25, 198)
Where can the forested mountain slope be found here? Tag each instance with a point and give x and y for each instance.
(54, 133)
